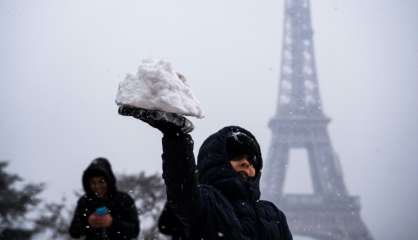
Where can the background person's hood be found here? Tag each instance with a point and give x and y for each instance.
(99, 167)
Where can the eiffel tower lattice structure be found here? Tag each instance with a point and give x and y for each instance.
(329, 213)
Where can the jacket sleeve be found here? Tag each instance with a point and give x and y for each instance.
(79, 222)
(179, 175)
(129, 223)
(284, 227)
(286, 230)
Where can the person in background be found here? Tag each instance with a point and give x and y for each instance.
(219, 198)
(103, 212)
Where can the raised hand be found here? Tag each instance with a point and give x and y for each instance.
(164, 121)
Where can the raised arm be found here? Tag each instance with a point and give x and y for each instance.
(178, 159)
(179, 175)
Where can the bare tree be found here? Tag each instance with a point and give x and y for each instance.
(149, 195)
(54, 220)
(16, 202)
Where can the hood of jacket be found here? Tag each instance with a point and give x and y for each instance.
(99, 167)
(214, 167)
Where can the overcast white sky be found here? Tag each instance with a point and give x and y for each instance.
(61, 62)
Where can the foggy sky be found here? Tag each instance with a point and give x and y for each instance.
(61, 62)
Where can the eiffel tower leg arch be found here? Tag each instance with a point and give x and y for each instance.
(315, 172)
(275, 172)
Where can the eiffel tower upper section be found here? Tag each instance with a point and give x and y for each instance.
(299, 121)
(299, 93)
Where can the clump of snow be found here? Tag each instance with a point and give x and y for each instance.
(156, 86)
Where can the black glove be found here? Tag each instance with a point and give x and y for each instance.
(167, 123)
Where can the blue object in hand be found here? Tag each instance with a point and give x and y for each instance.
(101, 211)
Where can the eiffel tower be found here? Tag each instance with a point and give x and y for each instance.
(330, 213)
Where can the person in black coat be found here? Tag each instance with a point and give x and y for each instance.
(220, 197)
(103, 212)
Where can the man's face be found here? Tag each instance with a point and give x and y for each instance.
(243, 167)
(99, 186)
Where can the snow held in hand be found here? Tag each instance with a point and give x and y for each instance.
(156, 86)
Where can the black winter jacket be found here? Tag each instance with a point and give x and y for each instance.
(121, 206)
(220, 204)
